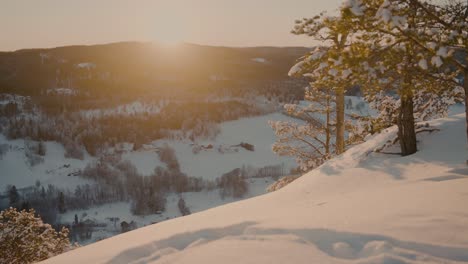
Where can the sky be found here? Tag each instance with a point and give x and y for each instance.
(52, 23)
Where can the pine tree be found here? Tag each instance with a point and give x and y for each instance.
(328, 66)
(447, 35)
(13, 196)
(41, 149)
(310, 143)
(391, 61)
(61, 203)
(24, 238)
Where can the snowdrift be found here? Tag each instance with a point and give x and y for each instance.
(361, 207)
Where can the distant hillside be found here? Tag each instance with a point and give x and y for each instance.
(142, 66)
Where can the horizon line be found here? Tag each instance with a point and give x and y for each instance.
(151, 42)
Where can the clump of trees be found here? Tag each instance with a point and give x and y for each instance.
(232, 184)
(44, 200)
(24, 238)
(200, 129)
(34, 152)
(184, 210)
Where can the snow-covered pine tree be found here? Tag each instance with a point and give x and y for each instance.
(444, 40)
(61, 203)
(309, 141)
(392, 62)
(24, 238)
(328, 66)
(426, 106)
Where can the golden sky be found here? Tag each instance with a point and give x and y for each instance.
(51, 23)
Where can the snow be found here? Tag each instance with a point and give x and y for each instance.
(436, 61)
(431, 45)
(129, 109)
(346, 73)
(361, 207)
(86, 65)
(296, 69)
(144, 160)
(355, 6)
(14, 169)
(61, 91)
(210, 164)
(384, 13)
(354, 105)
(19, 100)
(443, 52)
(423, 64)
(218, 77)
(260, 60)
(195, 201)
(333, 72)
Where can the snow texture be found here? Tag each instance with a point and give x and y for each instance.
(210, 164)
(355, 6)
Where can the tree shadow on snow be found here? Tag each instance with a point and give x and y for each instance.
(342, 245)
(438, 148)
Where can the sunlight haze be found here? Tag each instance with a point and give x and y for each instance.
(51, 23)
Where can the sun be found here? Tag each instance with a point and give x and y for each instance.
(168, 37)
(169, 31)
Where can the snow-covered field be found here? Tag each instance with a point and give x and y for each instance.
(210, 164)
(361, 207)
(207, 164)
(14, 169)
(195, 201)
(145, 160)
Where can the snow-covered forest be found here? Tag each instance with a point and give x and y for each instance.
(352, 151)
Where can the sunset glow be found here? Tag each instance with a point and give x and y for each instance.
(234, 131)
(52, 23)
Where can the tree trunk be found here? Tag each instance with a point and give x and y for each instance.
(327, 130)
(406, 131)
(465, 86)
(340, 122)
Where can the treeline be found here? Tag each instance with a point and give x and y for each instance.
(175, 114)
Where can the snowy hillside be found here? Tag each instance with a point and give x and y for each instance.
(361, 207)
(55, 168)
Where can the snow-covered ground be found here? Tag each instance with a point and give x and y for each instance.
(260, 60)
(210, 164)
(136, 107)
(144, 160)
(361, 207)
(195, 201)
(354, 105)
(15, 170)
